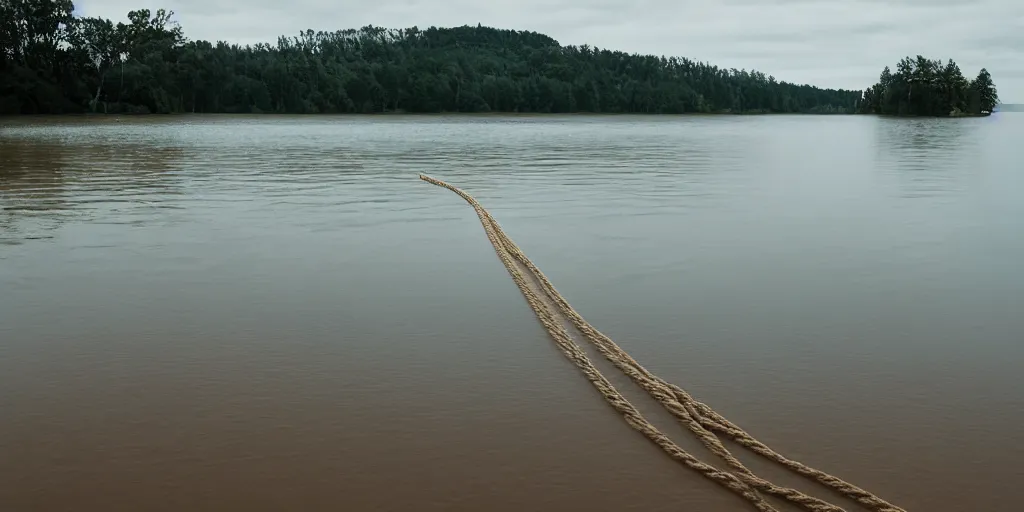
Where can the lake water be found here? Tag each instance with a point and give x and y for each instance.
(274, 313)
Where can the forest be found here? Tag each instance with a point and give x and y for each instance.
(52, 61)
(924, 87)
(55, 62)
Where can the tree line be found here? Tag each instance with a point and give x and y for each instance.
(52, 61)
(925, 87)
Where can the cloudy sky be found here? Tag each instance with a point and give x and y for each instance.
(829, 43)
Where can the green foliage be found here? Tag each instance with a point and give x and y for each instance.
(923, 87)
(53, 62)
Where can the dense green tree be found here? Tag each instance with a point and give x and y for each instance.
(983, 92)
(53, 62)
(35, 71)
(923, 87)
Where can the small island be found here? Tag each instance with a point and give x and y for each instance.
(924, 87)
(54, 62)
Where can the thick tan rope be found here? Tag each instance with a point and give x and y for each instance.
(696, 416)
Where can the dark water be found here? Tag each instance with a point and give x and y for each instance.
(264, 313)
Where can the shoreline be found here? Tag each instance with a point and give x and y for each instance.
(421, 114)
(121, 115)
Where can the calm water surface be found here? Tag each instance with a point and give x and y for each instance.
(273, 313)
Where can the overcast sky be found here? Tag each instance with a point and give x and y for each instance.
(829, 43)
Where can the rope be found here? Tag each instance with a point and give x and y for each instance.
(696, 416)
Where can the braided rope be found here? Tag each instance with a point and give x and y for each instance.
(696, 416)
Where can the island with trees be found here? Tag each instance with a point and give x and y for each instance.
(924, 87)
(52, 61)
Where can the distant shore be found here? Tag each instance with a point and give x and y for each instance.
(384, 115)
(122, 115)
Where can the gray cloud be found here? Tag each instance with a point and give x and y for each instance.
(830, 43)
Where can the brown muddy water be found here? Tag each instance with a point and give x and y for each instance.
(274, 313)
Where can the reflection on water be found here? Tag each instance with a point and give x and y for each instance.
(23, 190)
(272, 313)
(928, 156)
(47, 178)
